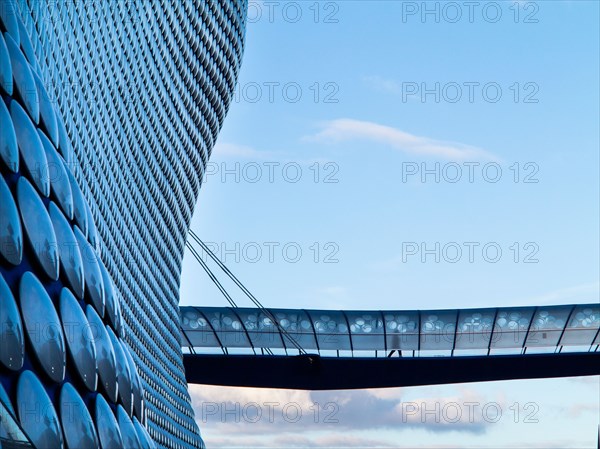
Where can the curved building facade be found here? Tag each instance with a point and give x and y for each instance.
(109, 113)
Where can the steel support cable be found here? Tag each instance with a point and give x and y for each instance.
(211, 275)
(267, 312)
(243, 288)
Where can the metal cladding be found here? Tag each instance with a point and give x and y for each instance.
(108, 116)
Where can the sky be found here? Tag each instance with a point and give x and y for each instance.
(404, 155)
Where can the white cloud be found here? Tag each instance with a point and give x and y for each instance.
(344, 130)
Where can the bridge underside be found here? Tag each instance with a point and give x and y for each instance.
(312, 372)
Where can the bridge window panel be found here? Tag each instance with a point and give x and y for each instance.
(470, 352)
(228, 328)
(210, 350)
(580, 348)
(189, 317)
(547, 326)
(197, 330)
(262, 330)
(297, 325)
(266, 339)
(306, 341)
(582, 327)
(435, 353)
(204, 338)
(506, 351)
(474, 329)
(331, 329)
(364, 353)
(511, 327)
(366, 330)
(541, 349)
(240, 351)
(334, 353)
(437, 329)
(402, 330)
(279, 351)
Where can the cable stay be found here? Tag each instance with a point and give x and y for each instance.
(211, 275)
(238, 283)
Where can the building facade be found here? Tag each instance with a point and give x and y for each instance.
(109, 113)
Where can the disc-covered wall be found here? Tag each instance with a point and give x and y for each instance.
(108, 116)
(68, 378)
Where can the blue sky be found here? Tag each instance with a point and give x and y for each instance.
(336, 117)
